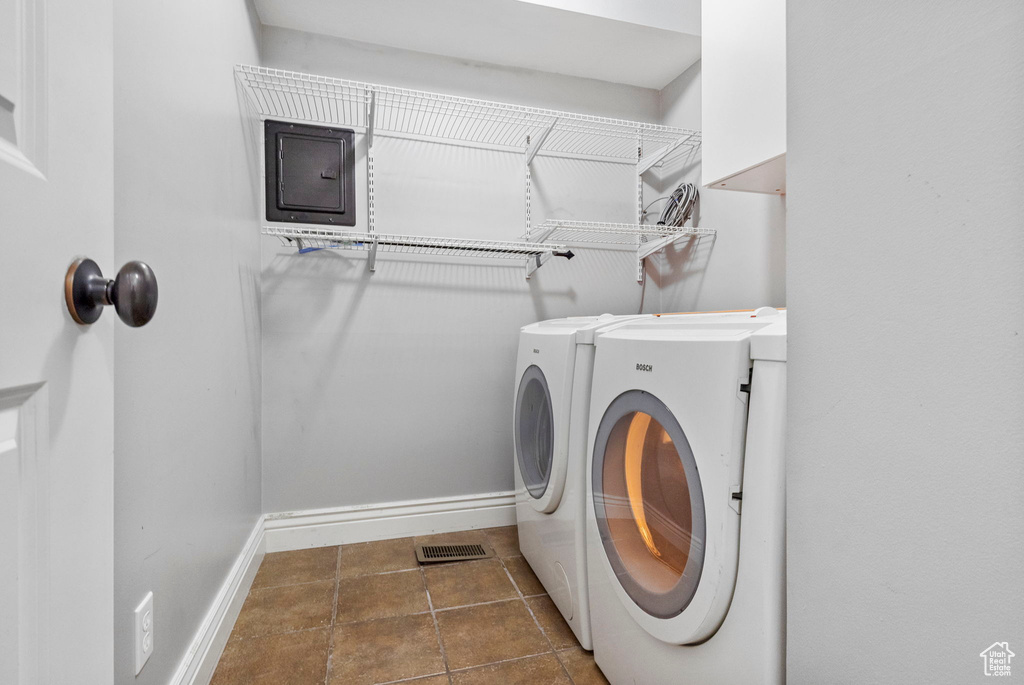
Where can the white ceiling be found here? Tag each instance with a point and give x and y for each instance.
(643, 43)
(682, 16)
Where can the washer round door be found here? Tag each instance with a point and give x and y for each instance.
(650, 510)
(535, 441)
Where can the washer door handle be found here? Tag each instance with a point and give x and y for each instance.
(133, 293)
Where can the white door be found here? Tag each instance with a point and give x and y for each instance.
(56, 377)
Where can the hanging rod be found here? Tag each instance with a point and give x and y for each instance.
(309, 239)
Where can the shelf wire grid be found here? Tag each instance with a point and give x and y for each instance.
(600, 233)
(333, 238)
(401, 111)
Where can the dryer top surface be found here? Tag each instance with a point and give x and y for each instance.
(767, 332)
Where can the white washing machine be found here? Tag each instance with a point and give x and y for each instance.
(553, 375)
(686, 500)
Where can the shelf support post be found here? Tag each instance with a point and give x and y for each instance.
(529, 183)
(371, 115)
(640, 266)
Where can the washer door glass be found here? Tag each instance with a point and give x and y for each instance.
(535, 439)
(649, 503)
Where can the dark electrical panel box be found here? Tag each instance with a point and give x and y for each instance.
(310, 177)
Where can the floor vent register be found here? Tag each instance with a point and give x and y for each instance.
(436, 554)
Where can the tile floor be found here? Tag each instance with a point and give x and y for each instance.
(368, 613)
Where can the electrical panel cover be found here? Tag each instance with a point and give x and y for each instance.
(309, 171)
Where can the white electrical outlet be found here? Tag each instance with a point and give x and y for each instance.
(143, 632)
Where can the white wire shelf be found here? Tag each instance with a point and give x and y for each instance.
(601, 233)
(648, 239)
(308, 239)
(420, 115)
(399, 111)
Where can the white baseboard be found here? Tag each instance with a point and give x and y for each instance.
(200, 661)
(322, 528)
(345, 525)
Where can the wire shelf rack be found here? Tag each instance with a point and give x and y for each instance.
(599, 233)
(399, 111)
(647, 239)
(308, 239)
(420, 115)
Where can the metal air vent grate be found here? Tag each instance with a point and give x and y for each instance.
(435, 554)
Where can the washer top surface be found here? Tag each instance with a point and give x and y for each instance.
(570, 325)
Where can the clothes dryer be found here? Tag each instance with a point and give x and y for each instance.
(686, 500)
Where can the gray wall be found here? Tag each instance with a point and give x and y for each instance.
(187, 386)
(398, 385)
(906, 359)
(743, 266)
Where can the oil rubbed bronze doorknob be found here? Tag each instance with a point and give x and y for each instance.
(133, 293)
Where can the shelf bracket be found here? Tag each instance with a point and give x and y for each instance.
(645, 250)
(544, 233)
(657, 245)
(646, 163)
(535, 144)
(535, 262)
(371, 258)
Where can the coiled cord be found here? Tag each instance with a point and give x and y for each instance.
(680, 206)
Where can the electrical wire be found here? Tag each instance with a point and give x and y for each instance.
(680, 206)
(643, 215)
